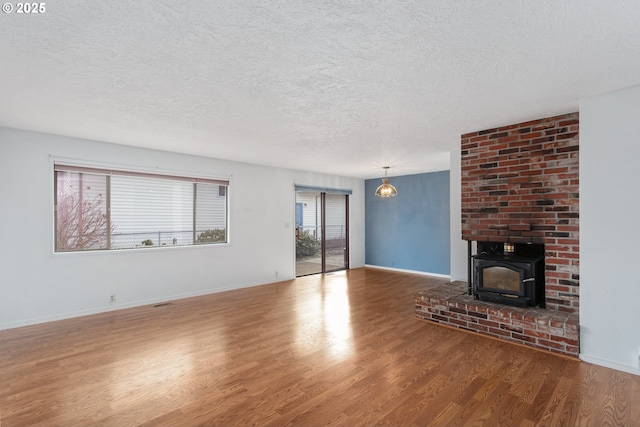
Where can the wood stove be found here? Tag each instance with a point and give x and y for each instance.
(511, 274)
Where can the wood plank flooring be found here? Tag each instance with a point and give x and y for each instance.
(337, 349)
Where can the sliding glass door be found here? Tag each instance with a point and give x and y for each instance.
(308, 233)
(335, 232)
(322, 234)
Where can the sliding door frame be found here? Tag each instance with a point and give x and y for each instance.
(323, 226)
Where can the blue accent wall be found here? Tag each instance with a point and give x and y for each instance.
(411, 230)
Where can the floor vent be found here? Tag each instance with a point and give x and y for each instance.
(162, 304)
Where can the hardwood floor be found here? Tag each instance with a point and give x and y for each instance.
(339, 349)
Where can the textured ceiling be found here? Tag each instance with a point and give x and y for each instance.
(335, 86)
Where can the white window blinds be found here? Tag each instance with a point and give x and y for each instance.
(114, 209)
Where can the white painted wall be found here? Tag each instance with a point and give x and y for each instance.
(458, 246)
(38, 285)
(609, 236)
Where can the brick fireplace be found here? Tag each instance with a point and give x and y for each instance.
(520, 185)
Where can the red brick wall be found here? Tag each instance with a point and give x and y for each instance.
(520, 184)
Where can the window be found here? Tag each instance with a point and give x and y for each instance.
(109, 209)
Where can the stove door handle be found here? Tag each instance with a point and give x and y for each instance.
(530, 279)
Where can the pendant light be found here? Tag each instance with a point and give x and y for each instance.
(386, 189)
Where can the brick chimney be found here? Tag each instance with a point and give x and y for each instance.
(520, 184)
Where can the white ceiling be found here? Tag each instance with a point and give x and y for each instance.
(336, 86)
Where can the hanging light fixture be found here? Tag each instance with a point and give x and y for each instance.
(386, 189)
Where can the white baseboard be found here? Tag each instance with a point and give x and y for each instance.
(609, 364)
(122, 306)
(400, 270)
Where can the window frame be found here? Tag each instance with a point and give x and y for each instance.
(108, 171)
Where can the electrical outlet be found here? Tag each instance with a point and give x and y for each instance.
(277, 274)
(639, 357)
(112, 298)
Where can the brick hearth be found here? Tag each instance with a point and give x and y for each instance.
(551, 330)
